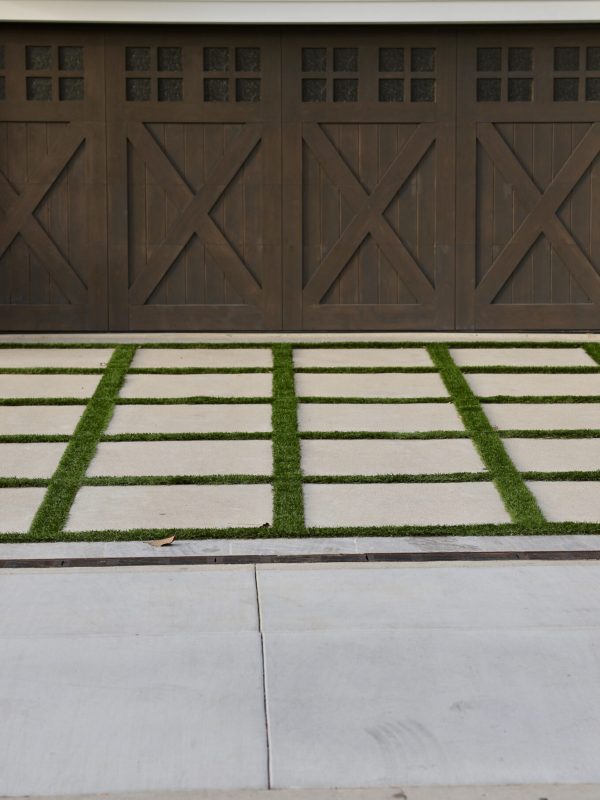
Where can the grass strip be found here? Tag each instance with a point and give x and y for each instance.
(183, 437)
(288, 504)
(203, 370)
(43, 401)
(367, 400)
(52, 513)
(51, 371)
(429, 477)
(573, 475)
(171, 480)
(518, 500)
(186, 401)
(593, 350)
(542, 398)
(14, 483)
(384, 435)
(490, 370)
(30, 438)
(369, 370)
(551, 434)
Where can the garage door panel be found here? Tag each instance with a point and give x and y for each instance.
(529, 146)
(52, 182)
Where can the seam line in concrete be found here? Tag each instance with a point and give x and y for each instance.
(264, 677)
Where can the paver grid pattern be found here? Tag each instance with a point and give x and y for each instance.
(288, 440)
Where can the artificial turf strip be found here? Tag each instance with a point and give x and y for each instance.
(518, 500)
(288, 502)
(64, 484)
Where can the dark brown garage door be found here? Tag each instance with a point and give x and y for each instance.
(225, 179)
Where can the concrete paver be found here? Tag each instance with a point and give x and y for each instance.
(404, 418)
(32, 357)
(30, 460)
(18, 507)
(554, 455)
(370, 385)
(39, 420)
(200, 357)
(543, 416)
(331, 505)
(21, 386)
(381, 457)
(211, 385)
(521, 357)
(362, 357)
(246, 457)
(181, 418)
(183, 506)
(521, 384)
(568, 501)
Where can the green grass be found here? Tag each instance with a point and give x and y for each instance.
(183, 437)
(52, 514)
(518, 500)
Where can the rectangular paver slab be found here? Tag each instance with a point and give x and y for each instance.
(21, 386)
(374, 417)
(429, 596)
(519, 384)
(221, 457)
(181, 418)
(76, 357)
(381, 457)
(521, 357)
(213, 385)
(543, 416)
(188, 506)
(95, 713)
(18, 507)
(379, 504)
(568, 501)
(370, 385)
(554, 455)
(203, 357)
(390, 708)
(362, 357)
(30, 460)
(39, 420)
(128, 601)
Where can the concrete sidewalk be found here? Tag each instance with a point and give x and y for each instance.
(181, 679)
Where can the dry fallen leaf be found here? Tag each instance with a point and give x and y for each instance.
(161, 542)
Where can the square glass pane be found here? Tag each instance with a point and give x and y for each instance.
(593, 59)
(314, 59)
(1, 57)
(345, 90)
(38, 57)
(422, 59)
(247, 59)
(137, 59)
(70, 58)
(520, 90)
(566, 89)
(216, 90)
(391, 90)
(138, 89)
(169, 59)
(422, 90)
(314, 90)
(39, 88)
(391, 59)
(489, 59)
(489, 90)
(247, 90)
(170, 90)
(566, 59)
(70, 88)
(216, 59)
(345, 59)
(2, 88)
(592, 89)
(520, 59)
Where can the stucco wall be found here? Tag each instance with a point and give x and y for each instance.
(302, 11)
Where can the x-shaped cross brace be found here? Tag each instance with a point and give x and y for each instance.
(369, 210)
(194, 213)
(542, 216)
(19, 217)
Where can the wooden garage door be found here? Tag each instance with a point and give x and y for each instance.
(52, 180)
(528, 234)
(369, 124)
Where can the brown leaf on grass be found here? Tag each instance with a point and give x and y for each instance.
(161, 542)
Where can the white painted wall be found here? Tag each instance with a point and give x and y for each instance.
(301, 11)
